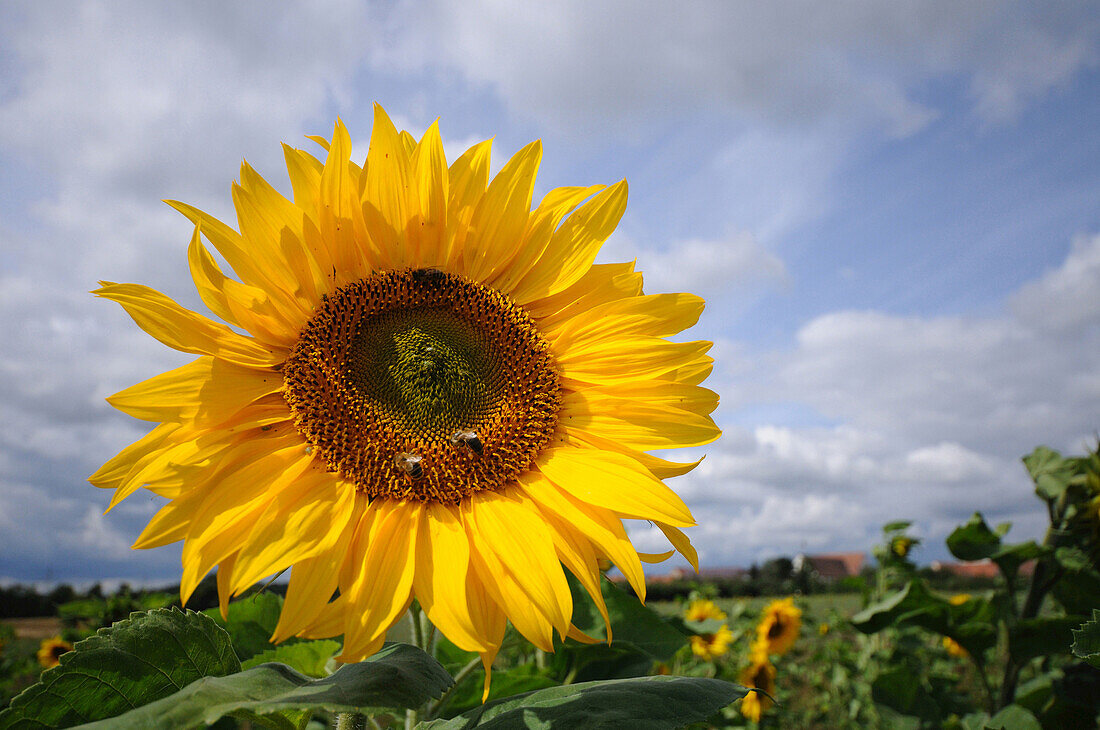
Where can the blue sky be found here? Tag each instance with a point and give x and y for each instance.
(891, 208)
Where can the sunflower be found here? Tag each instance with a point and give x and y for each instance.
(712, 646)
(954, 648)
(779, 626)
(959, 599)
(702, 610)
(426, 390)
(758, 675)
(50, 651)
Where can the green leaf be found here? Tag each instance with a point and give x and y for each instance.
(1041, 636)
(1013, 717)
(1086, 640)
(144, 658)
(251, 622)
(399, 676)
(506, 683)
(642, 703)
(632, 623)
(1050, 471)
(897, 525)
(898, 689)
(913, 605)
(308, 657)
(974, 540)
(1072, 558)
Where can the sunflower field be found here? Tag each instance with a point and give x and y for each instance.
(428, 406)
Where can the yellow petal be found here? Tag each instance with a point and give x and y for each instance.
(249, 264)
(573, 246)
(512, 529)
(385, 201)
(607, 362)
(428, 198)
(598, 525)
(555, 205)
(638, 423)
(237, 303)
(305, 519)
(341, 225)
(442, 570)
(656, 557)
(184, 330)
(383, 587)
(502, 589)
(468, 176)
(305, 176)
(655, 315)
(615, 482)
(113, 473)
(601, 283)
(225, 579)
(576, 554)
(500, 218)
(205, 391)
(314, 580)
(660, 468)
(682, 544)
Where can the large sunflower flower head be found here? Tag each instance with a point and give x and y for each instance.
(425, 389)
(779, 626)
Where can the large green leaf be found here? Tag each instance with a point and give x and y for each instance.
(1050, 471)
(136, 661)
(1013, 717)
(913, 605)
(1086, 640)
(974, 540)
(632, 623)
(642, 703)
(251, 622)
(399, 676)
(1041, 636)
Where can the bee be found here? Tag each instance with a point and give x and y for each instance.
(428, 276)
(468, 442)
(410, 464)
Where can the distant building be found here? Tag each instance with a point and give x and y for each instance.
(704, 574)
(830, 566)
(978, 568)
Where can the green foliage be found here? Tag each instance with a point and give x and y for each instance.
(311, 658)
(1086, 640)
(251, 622)
(274, 695)
(134, 662)
(645, 703)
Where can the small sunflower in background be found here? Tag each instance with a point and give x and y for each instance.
(959, 599)
(902, 545)
(712, 646)
(703, 609)
(779, 626)
(50, 651)
(431, 392)
(760, 674)
(954, 648)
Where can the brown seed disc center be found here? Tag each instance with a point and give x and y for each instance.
(421, 385)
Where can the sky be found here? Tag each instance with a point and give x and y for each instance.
(891, 209)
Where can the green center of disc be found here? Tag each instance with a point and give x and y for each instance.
(425, 368)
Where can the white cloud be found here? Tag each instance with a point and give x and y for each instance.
(609, 67)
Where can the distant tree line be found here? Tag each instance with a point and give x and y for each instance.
(777, 577)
